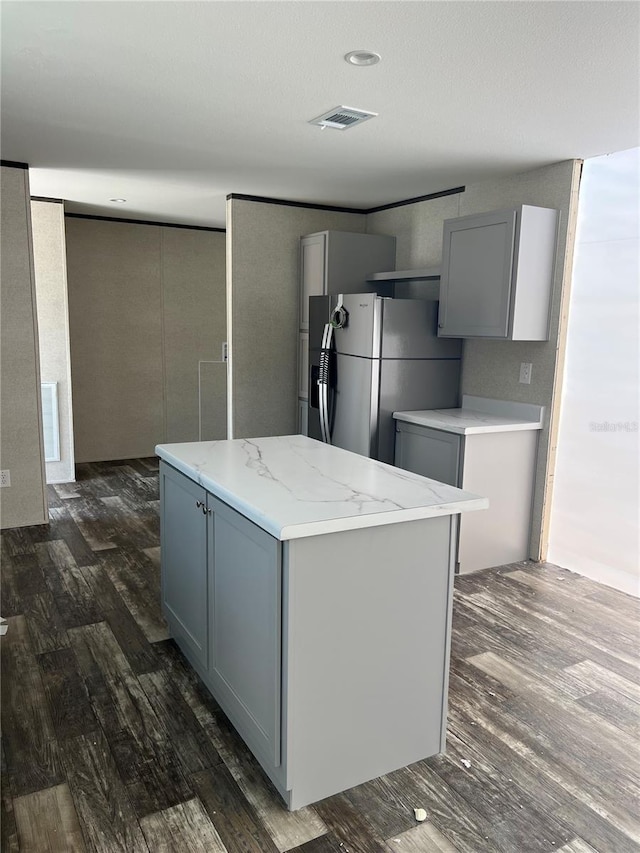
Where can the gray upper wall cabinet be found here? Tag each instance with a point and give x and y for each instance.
(312, 272)
(497, 274)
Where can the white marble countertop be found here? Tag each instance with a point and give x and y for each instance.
(478, 415)
(293, 486)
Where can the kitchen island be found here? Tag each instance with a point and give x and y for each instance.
(311, 589)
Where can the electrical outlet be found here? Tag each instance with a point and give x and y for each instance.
(225, 351)
(5, 478)
(525, 373)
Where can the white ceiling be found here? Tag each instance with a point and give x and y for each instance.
(172, 105)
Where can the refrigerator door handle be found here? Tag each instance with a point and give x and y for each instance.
(323, 413)
(323, 384)
(327, 428)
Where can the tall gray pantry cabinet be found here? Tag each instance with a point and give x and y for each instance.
(336, 262)
(287, 637)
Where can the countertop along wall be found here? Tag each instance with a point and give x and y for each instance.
(50, 261)
(263, 280)
(147, 323)
(491, 368)
(21, 446)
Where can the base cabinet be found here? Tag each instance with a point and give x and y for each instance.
(311, 641)
(499, 466)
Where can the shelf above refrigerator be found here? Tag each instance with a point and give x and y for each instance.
(428, 273)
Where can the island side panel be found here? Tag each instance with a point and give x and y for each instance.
(454, 534)
(366, 621)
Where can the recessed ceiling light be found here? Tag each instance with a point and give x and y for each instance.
(118, 200)
(362, 57)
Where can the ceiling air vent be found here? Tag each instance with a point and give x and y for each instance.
(342, 118)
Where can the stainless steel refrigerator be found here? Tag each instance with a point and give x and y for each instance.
(370, 356)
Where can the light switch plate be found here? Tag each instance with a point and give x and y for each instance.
(525, 373)
(5, 478)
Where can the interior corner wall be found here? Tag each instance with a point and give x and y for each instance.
(50, 264)
(21, 447)
(417, 228)
(262, 293)
(491, 368)
(147, 323)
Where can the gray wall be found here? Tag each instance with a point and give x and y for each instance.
(49, 254)
(263, 285)
(194, 328)
(491, 368)
(21, 448)
(417, 229)
(146, 307)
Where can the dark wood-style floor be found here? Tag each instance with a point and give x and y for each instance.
(110, 743)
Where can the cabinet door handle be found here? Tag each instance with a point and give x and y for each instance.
(204, 509)
(209, 512)
(199, 504)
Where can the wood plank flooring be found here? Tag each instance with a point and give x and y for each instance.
(111, 743)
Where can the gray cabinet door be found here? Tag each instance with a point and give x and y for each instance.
(428, 452)
(303, 417)
(245, 607)
(303, 365)
(352, 256)
(477, 264)
(184, 561)
(312, 272)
